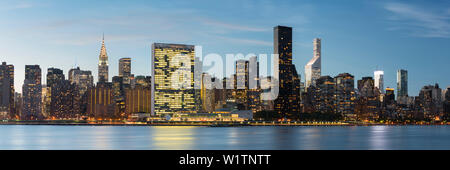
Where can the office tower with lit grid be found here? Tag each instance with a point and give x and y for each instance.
(32, 93)
(288, 101)
(82, 78)
(7, 108)
(345, 95)
(125, 70)
(173, 79)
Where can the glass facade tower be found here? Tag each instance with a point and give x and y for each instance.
(173, 79)
(402, 83)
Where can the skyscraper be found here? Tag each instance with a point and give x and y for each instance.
(314, 67)
(446, 100)
(345, 95)
(288, 100)
(125, 69)
(430, 98)
(100, 101)
(32, 93)
(138, 98)
(82, 78)
(254, 89)
(7, 90)
(54, 86)
(368, 103)
(325, 93)
(379, 80)
(54, 75)
(65, 100)
(207, 94)
(173, 79)
(402, 83)
(241, 84)
(103, 64)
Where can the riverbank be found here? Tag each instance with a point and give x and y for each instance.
(210, 124)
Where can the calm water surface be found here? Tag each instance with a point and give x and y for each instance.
(226, 138)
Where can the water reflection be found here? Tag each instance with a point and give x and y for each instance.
(378, 139)
(43, 139)
(17, 138)
(173, 138)
(101, 136)
(310, 138)
(226, 138)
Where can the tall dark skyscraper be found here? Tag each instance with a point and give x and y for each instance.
(6, 90)
(54, 78)
(288, 101)
(54, 75)
(32, 93)
(402, 83)
(103, 64)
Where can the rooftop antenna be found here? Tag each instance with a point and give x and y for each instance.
(76, 64)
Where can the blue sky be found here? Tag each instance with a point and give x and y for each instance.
(357, 36)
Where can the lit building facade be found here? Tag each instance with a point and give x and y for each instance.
(314, 67)
(65, 100)
(324, 98)
(389, 98)
(430, 101)
(138, 100)
(119, 86)
(144, 81)
(100, 102)
(18, 102)
(242, 84)
(207, 94)
(7, 108)
(125, 70)
(173, 79)
(54, 77)
(446, 97)
(82, 78)
(288, 101)
(345, 95)
(32, 93)
(368, 104)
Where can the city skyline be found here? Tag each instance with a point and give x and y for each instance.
(341, 52)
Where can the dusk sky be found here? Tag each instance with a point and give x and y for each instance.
(357, 36)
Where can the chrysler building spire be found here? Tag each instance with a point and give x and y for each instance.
(103, 63)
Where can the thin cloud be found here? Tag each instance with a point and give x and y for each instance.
(246, 41)
(420, 22)
(16, 6)
(238, 27)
